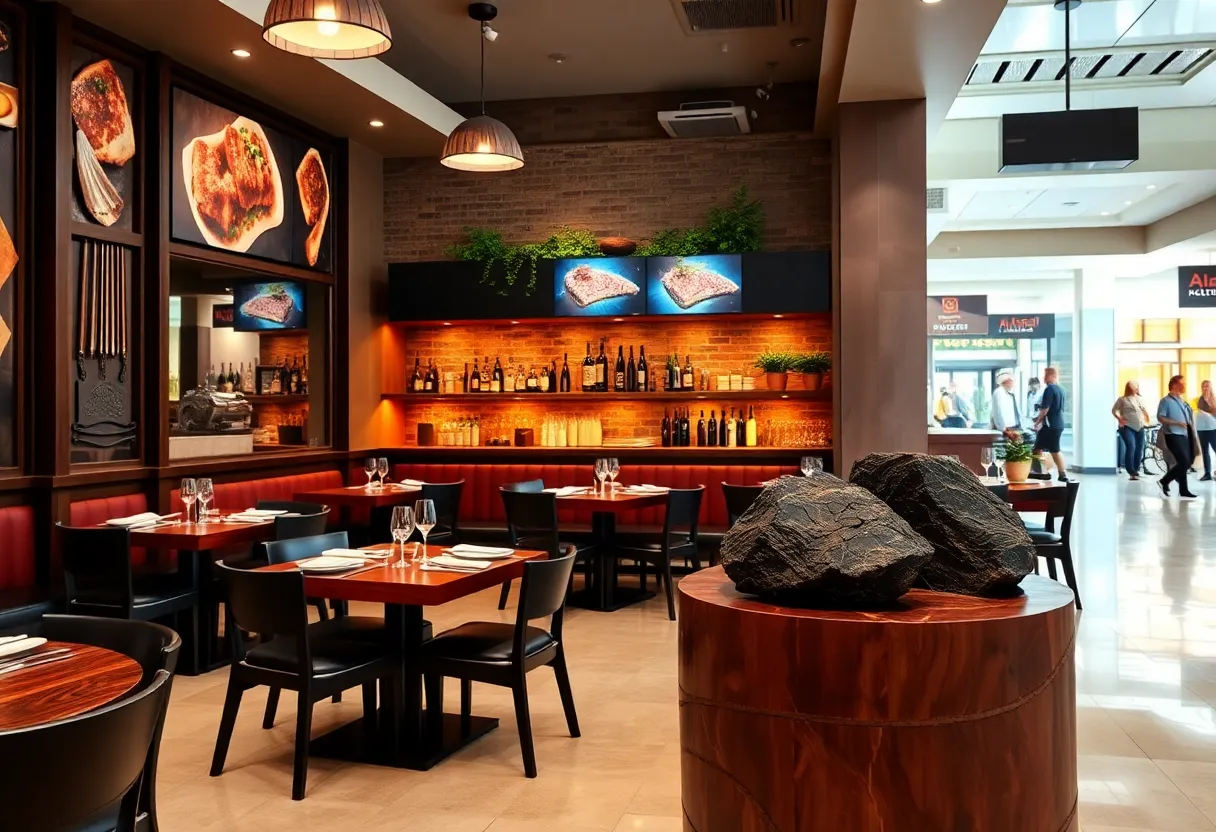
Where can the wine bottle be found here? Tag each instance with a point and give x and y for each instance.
(751, 427)
(415, 385)
(601, 370)
(304, 375)
(295, 373)
(428, 380)
(240, 379)
(741, 430)
(496, 380)
(618, 372)
(712, 432)
(588, 371)
(532, 383)
(284, 377)
(552, 385)
(543, 387)
(564, 385)
(665, 428)
(509, 380)
(485, 375)
(474, 383)
(730, 430)
(687, 382)
(251, 384)
(673, 375)
(643, 373)
(464, 382)
(631, 373)
(521, 379)
(722, 430)
(687, 427)
(702, 440)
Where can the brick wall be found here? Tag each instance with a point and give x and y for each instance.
(613, 188)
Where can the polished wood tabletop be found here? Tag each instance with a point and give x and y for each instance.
(202, 537)
(1029, 485)
(412, 585)
(90, 678)
(614, 502)
(358, 496)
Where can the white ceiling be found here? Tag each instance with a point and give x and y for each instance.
(1036, 26)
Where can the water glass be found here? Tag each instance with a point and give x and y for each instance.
(614, 468)
(601, 473)
(402, 526)
(189, 493)
(986, 457)
(206, 493)
(382, 469)
(369, 468)
(424, 519)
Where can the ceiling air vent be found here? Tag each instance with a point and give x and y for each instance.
(705, 119)
(935, 200)
(725, 15)
(1095, 68)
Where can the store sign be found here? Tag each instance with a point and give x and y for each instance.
(1023, 326)
(1196, 286)
(958, 315)
(976, 344)
(222, 316)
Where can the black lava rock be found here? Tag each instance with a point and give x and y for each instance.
(820, 541)
(980, 546)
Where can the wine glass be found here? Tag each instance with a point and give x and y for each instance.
(369, 468)
(816, 464)
(424, 519)
(999, 462)
(601, 472)
(402, 527)
(986, 459)
(614, 468)
(807, 469)
(206, 493)
(382, 469)
(189, 493)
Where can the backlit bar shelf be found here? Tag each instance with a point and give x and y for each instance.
(590, 398)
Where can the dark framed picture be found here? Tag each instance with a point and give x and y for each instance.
(266, 378)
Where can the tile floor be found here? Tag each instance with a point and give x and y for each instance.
(1146, 681)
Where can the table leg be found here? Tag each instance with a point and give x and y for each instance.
(605, 595)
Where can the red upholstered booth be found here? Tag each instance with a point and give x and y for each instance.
(481, 504)
(101, 509)
(235, 496)
(17, 569)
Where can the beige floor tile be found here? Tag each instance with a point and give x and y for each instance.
(1134, 793)
(649, 823)
(1195, 780)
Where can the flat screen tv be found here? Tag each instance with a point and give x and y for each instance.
(708, 284)
(271, 305)
(599, 286)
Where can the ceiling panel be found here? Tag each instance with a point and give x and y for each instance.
(1016, 72)
(1115, 65)
(997, 205)
(1145, 66)
(1169, 21)
(1039, 27)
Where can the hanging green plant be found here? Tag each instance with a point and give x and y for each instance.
(488, 248)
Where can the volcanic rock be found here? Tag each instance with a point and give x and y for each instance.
(820, 541)
(980, 547)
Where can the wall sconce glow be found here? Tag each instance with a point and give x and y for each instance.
(334, 29)
(241, 53)
(376, 123)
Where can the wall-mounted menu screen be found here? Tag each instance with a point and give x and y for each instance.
(262, 306)
(599, 286)
(246, 188)
(710, 284)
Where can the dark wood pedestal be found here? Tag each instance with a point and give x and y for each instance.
(946, 713)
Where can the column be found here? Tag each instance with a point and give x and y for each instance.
(1094, 376)
(879, 280)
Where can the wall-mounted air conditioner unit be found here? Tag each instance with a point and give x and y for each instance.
(702, 119)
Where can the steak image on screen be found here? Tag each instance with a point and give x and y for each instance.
(272, 303)
(689, 285)
(588, 285)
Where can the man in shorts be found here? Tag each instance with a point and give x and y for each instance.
(1050, 423)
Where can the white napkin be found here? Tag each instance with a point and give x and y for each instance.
(360, 554)
(460, 563)
(566, 490)
(412, 483)
(647, 489)
(142, 519)
(325, 564)
(245, 518)
(469, 549)
(263, 512)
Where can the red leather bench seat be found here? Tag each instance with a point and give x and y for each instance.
(99, 510)
(22, 602)
(481, 504)
(235, 496)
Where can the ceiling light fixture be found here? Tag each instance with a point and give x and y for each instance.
(1127, 202)
(1152, 187)
(334, 29)
(241, 53)
(930, 2)
(376, 122)
(1106, 213)
(557, 58)
(482, 144)
(798, 43)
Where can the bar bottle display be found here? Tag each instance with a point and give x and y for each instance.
(588, 371)
(619, 373)
(643, 372)
(712, 432)
(687, 381)
(665, 428)
(564, 384)
(702, 440)
(601, 370)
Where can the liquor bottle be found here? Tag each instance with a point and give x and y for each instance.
(722, 430)
(730, 430)
(304, 375)
(702, 440)
(643, 373)
(618, 372)
(285, 377)
(496, 380)
(665, 429)
(295, 373)
(543, 387)
(511, 377)
(209, 379)
(552, 388)
(428, 380)
(686, 427)
(239, 386)
(713, 429)
(485, 376)
(751, 427)
(532, 383)
(741, 431)
(631, 374)
(276, 383)
(474, 383)
(601, 370)
(588, 371)
(564, 384)
(687, 382)
(464, 382)
(521, 380)
(415, 385)
(673, 374)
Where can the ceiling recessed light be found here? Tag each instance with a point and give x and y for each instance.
(1152, 187)
(1106, 213)
(778, 316)
(798, 43)
(376, 122)
(447, 323)
(930, 2)
(557, 58)
(1127, 202)
(515, 322)
(241, 53)
(1071, 204)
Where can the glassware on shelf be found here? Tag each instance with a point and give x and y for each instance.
(189, 493)
(424, 520)
(369, 468)
(401, 527)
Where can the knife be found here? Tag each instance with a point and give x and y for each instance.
(34, 662)
(31, 656)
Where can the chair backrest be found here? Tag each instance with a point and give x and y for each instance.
(446, 497)
(63, 773)
(526, 486)
(739, 498)
(305, 525)
(1001, 491)
(683, 511)
(298, 548)
(531, 519)
(267, 603)
(542, 593)
(97, 565)
(1066, 526)
(154, 646)
(292, 505)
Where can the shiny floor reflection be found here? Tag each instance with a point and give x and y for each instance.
(1146, 682)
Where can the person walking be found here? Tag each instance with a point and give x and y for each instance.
(1205, 426)
(1133, 418)
(1049, 425)
(1005, 415)
(1178, 432)
(961, 406)
(1033, 396)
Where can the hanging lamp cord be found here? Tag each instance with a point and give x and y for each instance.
(483, 68)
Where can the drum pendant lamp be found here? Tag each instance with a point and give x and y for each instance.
(333, 29)
(482, 144)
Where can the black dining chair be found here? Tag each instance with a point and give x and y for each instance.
(100, 581)
(678, 539)
(503, 654)
(446, 497)
(739, 498)
(292, 506)
(156, 648)
(302, 525)
(1053, 546)
(62, 774)
(310, 659)
(522, 487)
(532, 524)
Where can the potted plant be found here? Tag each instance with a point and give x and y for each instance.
(812, 366)
(1016, 455)
(776, 367)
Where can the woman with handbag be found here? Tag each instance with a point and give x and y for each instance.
(1133, 418)
(1205, 426)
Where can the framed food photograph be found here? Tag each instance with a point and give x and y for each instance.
(599, 286)
(707, 284)
(103, 139)
(271, 305)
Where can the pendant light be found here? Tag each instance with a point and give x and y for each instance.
(335, 29)
(482, 144)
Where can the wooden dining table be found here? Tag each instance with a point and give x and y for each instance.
(404, 592)
(89, 678)
(377, 501)
(605, 595)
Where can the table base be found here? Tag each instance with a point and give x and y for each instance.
(590, 599)
(354, 743)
